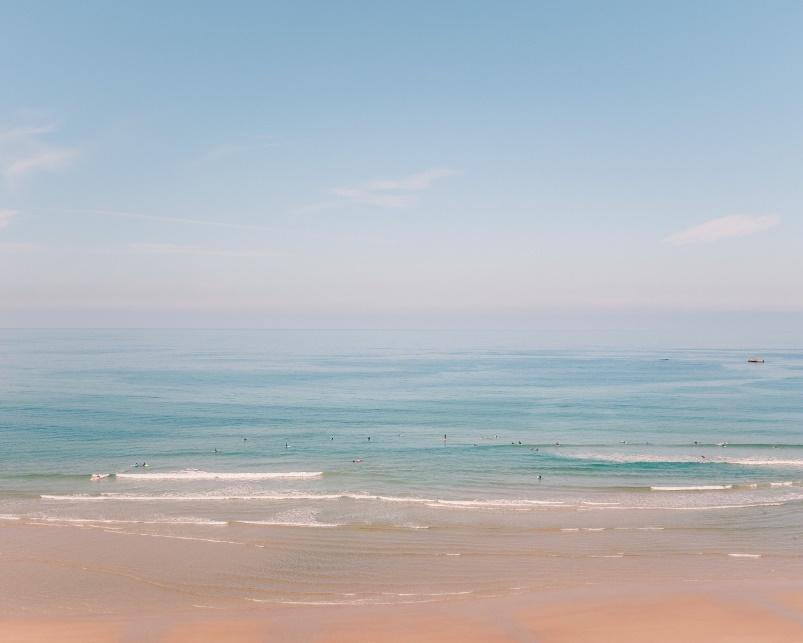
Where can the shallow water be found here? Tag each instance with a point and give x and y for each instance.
(482, 446)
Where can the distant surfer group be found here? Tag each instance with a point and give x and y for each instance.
(141, 465)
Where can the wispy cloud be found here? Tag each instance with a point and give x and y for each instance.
(19, 170)
(735, 225)
(393, 193)
(196, 251)
(118, 214)
(25, 152)
(368, 197)
(6, 216)
(25, 131)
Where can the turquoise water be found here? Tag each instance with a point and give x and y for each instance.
(252, 431)
(73, 403)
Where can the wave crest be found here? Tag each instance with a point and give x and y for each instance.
(194, 475)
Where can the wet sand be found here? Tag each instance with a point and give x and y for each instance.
(73, 584)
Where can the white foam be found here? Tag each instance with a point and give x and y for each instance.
(291, 496)
(356, 601)
(185, 498)
(478, 504)
(639, 528)
(287, 523)
(520, 505)
(698, 507)
(201, 522)
(174, 537)
(358, 496)
(748, 505)
(463, 593)
(408, 594)
(636, 458)
(756, 462)
(111, 521)
(705, 487)
(75, 498)
(649, 458)
(193, 475)
(745, 555)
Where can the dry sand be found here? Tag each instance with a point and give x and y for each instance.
(717, 613)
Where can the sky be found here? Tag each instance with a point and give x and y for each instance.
(416, 164)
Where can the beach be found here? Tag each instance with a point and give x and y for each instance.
(104, 599)
(387, 487)
(399, 322)
(673, 618)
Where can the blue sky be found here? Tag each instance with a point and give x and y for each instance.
(417, 163)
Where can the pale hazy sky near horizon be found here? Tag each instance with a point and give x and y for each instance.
(353, 163)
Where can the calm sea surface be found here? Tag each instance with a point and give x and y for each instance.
(354, 445)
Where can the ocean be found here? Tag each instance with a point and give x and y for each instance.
(376, 466)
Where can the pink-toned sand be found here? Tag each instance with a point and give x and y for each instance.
(651, 616)
(75, 585)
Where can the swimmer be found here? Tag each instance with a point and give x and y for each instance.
(539, 476)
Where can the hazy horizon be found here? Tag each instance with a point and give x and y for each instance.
(748, 332)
